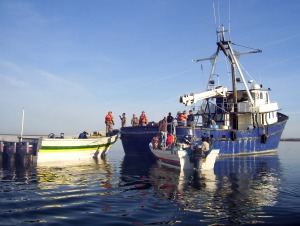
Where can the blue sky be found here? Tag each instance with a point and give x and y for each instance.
(69, 62)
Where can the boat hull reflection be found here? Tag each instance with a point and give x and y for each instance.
(236, 191)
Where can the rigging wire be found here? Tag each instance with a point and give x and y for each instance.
(202, 75)
(228, 72)
(246, 47)
(242, 67)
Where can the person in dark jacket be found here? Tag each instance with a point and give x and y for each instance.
(190, 119)
(83, 135)
(123, 120)
(170, 121)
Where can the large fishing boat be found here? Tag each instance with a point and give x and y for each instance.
(238, 120)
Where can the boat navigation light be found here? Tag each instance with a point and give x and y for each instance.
(250, 81)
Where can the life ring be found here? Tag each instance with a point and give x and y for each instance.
(264, 138)
(233, 135)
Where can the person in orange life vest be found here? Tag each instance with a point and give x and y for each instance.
(109, 121)
(143, 119)
(162, 129)
(170, 140)
(182, 119)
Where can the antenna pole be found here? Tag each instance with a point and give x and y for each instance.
(229, 20)
(215, 19)
(22, 125)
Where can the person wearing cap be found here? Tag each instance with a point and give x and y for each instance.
(134, 120)
(123, 120)
(109, 121)
(143, 119)
(83, 135)
(190, 119)
(170, 121)
(162, 129)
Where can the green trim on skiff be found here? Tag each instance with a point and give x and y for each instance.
(74, 148)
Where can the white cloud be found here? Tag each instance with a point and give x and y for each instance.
(15, 82)
(279, 41)
(59, 83)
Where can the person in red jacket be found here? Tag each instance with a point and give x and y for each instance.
(109, 121)
(143, 119)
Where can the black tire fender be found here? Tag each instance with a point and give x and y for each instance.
(233, 135)
(264, 138)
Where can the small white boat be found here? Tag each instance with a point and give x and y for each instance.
(185, 156)
(66, 148)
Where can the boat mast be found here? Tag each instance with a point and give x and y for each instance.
(241, 73)
(224, 45)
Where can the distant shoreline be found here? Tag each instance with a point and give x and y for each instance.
(290, 139)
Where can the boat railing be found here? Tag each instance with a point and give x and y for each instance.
(244, 107)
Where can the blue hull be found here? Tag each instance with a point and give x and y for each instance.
(135, 140)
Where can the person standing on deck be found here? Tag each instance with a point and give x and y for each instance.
(134, 120)
(123, 120)
(182, 119)
(170, 121)
(143, 119)
(190, 119)
(162, 128)
(109, 121)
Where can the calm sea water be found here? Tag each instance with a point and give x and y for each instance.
(123, 190)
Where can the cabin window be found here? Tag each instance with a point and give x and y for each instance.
(261, 95)
(223, 136)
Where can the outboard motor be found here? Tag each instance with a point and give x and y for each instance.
(51, 135)
(186, 140)
(198, 156)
